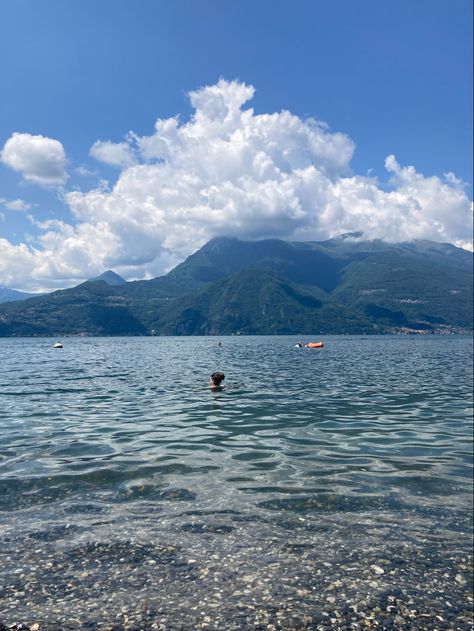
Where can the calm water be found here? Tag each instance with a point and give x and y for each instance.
(125, 482)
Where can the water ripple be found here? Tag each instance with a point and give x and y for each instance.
(125, 422)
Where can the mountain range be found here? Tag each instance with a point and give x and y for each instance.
(9, 295)
(229, 286)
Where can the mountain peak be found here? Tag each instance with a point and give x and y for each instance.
(357, 235)
(111, 278)
(216, 244)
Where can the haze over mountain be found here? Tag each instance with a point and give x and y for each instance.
(9, 295)
(229, 286)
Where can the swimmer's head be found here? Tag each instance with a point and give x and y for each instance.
(217, 378)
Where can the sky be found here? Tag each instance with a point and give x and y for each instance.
(132, 132)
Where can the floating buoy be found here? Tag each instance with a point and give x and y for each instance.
(314, 345)
(58, 345)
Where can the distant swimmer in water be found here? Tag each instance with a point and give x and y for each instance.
(298, 345)
(215, 382)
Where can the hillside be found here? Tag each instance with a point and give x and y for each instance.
(229, 286)
(253, 301)
(92, 308)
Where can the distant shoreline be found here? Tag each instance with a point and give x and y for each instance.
(457, 333)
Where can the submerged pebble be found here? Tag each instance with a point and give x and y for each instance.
(248, 582)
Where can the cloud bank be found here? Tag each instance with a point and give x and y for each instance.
(226, 171)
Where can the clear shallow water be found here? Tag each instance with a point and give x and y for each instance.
(119, 465)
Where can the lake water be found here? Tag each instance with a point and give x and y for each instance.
(327, 488)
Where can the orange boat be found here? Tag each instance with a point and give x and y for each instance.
(314, 345)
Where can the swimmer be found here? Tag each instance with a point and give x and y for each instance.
(216, 380)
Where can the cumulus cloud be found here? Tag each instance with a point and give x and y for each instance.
(229, 171)
(39, 159)
(16, 204)
(118, 154)
(63, 256)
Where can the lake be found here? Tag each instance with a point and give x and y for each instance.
(322, 488)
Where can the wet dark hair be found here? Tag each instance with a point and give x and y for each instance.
(217, 377)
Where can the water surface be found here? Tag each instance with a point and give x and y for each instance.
(128, 485)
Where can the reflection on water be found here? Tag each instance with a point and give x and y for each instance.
(120, 437)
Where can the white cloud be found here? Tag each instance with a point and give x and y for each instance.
(118, 154)
(15, 263)
(39, 159)
(16, 204)
(229, 171)
(85, 172)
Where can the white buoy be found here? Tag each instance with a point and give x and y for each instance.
(58, 345)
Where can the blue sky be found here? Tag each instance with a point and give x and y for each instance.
(388, 78)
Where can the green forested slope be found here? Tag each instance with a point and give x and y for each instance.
(343, 285)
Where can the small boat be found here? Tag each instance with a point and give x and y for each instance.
(58, 345)
(314, 345)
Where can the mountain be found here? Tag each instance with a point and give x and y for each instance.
(254, 300)
(300, 262)
(92, 308)
(111, 278)
(420, 285)
(9, 295)
(343, 285)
